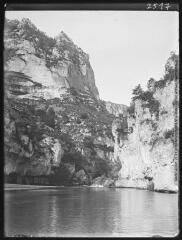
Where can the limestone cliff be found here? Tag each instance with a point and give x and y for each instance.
(147, 144)
(116, 109)
(56, 64)
(57, 131)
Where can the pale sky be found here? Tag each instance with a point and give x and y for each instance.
(125, 47)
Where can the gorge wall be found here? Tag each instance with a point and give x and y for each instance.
(148, 152)
(59, 132)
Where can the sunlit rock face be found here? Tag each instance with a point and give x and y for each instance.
(57, 131)
(116, 109)
(148, 151)
(56, 64)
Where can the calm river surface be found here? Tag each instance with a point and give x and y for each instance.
(86, 211)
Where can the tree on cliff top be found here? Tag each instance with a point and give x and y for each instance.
(137, 92)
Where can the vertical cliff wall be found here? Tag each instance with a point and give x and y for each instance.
(147, 147)
(57, 131)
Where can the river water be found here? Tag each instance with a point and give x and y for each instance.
(84, 211)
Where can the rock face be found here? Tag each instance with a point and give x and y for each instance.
(116, 109)
(148, 151)
(57, 130)
(56, 64)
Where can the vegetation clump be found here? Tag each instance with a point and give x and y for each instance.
(147, 98)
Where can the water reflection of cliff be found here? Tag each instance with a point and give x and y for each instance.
(91, 211)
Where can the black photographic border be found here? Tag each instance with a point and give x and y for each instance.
(71, 5)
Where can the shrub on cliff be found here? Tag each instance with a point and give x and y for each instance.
(161, 83)
(153, 106)
(148, 100)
